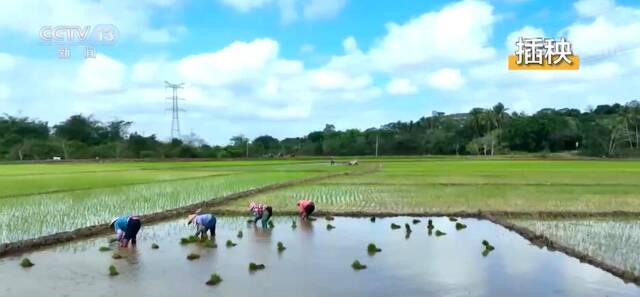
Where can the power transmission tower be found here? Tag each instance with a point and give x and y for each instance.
(175, 110)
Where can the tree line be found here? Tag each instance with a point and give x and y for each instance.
(604, 131)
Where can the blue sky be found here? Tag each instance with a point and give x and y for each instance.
(287, 67)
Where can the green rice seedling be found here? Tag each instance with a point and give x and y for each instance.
(407, 228)
(112, 239)
(294, 225)
(281, 247)
(373, 219)
(330, 227)
(215, 279)
(116, 256)
(155, 246)
(239, 234)
(250, 221)
(231, 243)
(104, 249)
(453, 219)
(430, 225)
(210, 244)
(256, 267)
(26, 263)
(113, 271)
(487, 246)
(460, 226)
(271, 225)
(311, 219)
(440, 233)
(329, 218)
(395, 226)
(372, 249)
(416, 221)
(193, 256)
(190, 239)
(356, 265)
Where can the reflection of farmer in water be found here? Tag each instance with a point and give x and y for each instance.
(126, 228)
(204, 222)
(306, 208)
(261, 212)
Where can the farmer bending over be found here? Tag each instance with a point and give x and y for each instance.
(126, 228)
(261, 212)
(306, 208)
(204, 222)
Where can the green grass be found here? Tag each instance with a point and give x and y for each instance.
(88, 194)
(469, 185)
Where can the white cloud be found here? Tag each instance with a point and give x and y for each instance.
(100, 75)
(446, 79)
(245, 5)
(318, 9)
(593, 8)
(307, 48)
(401, 86)
(524, 32)
(458, 33)
(7, 62)
(332, 80)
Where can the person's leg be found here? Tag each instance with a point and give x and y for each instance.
(212, 226)
(257, 218)
(268, 212)
(309, 210)
(135, 224)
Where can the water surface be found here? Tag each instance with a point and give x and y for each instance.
(316, 263)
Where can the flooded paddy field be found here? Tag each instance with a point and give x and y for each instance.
(611, 240)
(316, 262)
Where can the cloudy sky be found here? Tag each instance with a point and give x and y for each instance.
(287, 67)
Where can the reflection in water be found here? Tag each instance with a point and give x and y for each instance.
(420, 265)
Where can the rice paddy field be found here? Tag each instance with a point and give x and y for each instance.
(41, 199)
(411, 186)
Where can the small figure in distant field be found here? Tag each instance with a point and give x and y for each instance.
(306, 208)
(333, 160)
(261, 212)
(204, 222)
(126, 228)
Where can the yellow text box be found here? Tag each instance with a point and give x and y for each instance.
(575, 64)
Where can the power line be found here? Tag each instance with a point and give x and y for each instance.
(175, 110)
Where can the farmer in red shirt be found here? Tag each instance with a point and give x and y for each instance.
(306, 208)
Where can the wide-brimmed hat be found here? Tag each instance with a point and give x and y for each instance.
(113, 221)
(191, 218)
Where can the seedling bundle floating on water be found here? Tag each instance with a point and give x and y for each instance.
(329, 218)
(26, 263)
(357, 265)
(330, 227)
(214, 280)
(240, 234)
(104, 249)
(407, 228)
(395, 226)
(293, 225)
(155, 246)
(188, 240)
(231, 243)
(487, 246)
(116, 256)
(440, 233)
(460, 226)
(271, 225)
(415, 221)
(255, 267)
(281, 247)
(453, 219)
(373, 219)
(113, 271)
(372, 249)
(430, 225)
(193, 256)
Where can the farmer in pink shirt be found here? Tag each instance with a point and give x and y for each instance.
(261, 212)
(305, 208)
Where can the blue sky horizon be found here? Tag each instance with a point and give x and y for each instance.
(288, 67)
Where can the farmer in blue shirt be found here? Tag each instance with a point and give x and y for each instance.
(204, 222)
(126, 228)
